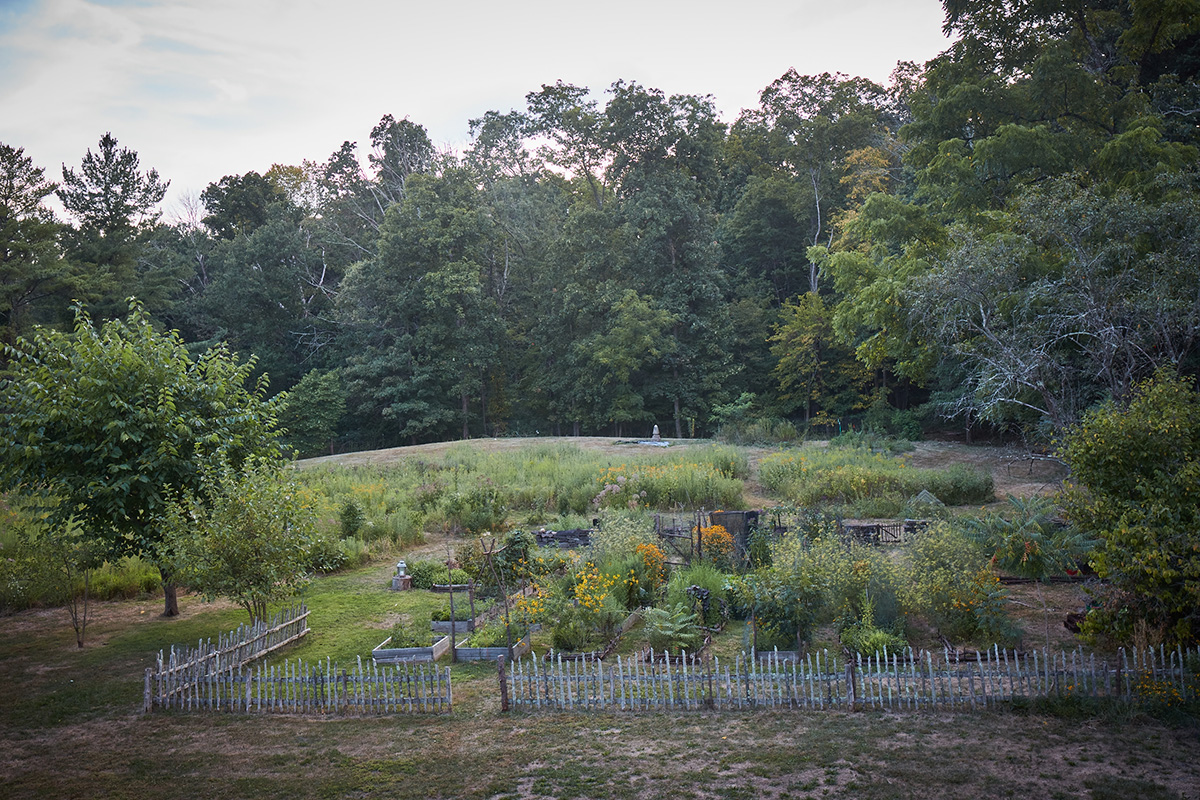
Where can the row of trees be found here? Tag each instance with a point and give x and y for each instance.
(1003, 235)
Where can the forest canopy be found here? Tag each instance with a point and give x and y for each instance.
(1002, 237)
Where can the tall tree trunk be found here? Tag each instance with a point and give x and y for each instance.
(170, 595)
(678, 420)
(466, 433)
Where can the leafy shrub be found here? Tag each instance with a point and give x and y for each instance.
(953, 585)
(427, 573)
(716, 546)
(863, 637)
(672, 630)
(707, 578)
(351, 518)
(324, 553)
(1136, 484)
(782, 606)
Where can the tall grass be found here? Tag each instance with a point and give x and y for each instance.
(857, 478)
(471, 490)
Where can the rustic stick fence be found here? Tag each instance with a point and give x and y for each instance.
(301, 688)
(893, 681)
(237, 647)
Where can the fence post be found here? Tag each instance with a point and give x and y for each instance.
(503, 683)
(148, 696)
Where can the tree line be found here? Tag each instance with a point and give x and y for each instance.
(1004, 236)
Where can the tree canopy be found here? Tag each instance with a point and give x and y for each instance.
(111, 425)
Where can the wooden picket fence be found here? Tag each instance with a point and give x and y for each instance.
(299, 688)
(235, 648)
(893, 681)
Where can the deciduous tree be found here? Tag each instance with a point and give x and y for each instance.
(112, 425)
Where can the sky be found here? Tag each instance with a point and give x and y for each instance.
(207, 88)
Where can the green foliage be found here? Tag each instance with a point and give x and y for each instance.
(841, 476)
(1028, 542)
(351, 518)
(412, 634)
(246, 540)
(1135, 483)
(427, 573)
(864, 636)
(314, 408)
(706, 577)
(672, 629)
(112, 425)
(953, 586)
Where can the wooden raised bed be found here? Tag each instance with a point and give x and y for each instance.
(463, 653)
(468, 625)
(397, 655)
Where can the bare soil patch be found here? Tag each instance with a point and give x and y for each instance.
(1014, 470)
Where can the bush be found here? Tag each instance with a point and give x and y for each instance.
(672, 630)
(953, 585)
(1136, 485)
(706, 577)
(427, 573)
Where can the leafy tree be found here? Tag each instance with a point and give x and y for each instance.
(816, 373)
(245, 537)
(238, 203)
(112, 425)
(271, 293)
(32, 269)
(1078, 295)
(426, 332)
(1135, 483)
(314, 408)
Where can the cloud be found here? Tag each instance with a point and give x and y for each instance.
(205, 88)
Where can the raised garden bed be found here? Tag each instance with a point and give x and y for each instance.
(397, 655)
(467, 625)
(464, 653)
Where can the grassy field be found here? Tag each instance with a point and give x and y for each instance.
(71, 726)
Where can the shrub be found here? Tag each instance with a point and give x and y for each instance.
(672, 630)
(707, 578)
(716, 546)
(953, 585)
(427, 573)
(1136, 484)
(351, 518)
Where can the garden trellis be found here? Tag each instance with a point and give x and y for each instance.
(894, 681)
